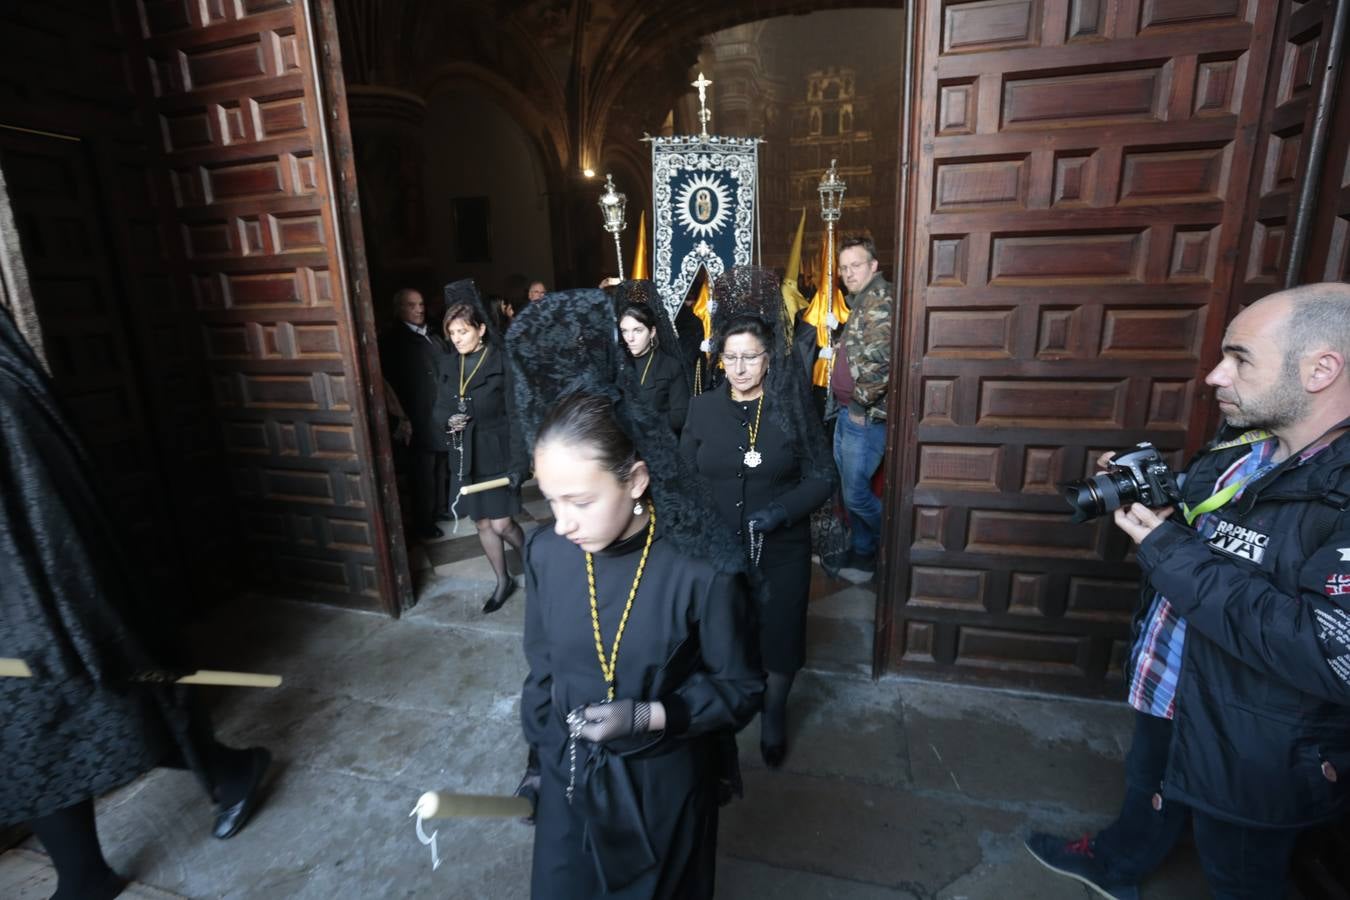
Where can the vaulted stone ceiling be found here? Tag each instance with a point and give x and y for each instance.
(577, 74)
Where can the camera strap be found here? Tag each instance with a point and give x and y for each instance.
(1220, 497)
(1214, 501)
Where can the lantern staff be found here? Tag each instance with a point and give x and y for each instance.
(831, 190)
(612, 204)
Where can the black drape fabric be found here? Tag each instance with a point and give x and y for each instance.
(72, 607)
(692, 357)
(644, 809)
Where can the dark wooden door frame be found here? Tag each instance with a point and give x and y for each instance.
(894, 561)
(396, 588)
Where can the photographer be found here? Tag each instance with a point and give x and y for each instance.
(1240, 668)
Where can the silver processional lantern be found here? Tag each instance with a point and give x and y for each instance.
(831, 190)
(612, 204)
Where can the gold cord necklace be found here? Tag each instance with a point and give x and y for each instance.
(651, 355)
(752, 457)
(609, 668)
(463, 382)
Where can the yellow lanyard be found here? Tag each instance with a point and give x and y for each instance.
(754, 429)
(651, 355)
(609, 668)
(463, 384)
(1221, 497)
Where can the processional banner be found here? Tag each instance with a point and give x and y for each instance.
(704, 192)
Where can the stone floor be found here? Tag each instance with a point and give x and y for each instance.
(893, 789)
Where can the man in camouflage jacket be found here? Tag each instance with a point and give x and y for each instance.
(859, 382)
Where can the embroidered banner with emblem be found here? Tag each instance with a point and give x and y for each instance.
(704, 194)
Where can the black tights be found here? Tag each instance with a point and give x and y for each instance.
(72, 842)
(494, 535)
(71, 838)
(773, 721)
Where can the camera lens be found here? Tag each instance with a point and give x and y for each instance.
(1102, 493)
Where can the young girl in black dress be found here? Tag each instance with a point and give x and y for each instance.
(637, 629)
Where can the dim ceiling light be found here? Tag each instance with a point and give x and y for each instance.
(589, 173)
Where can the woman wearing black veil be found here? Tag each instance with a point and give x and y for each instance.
(653, 350)
(474, 404)
(637, 629)
(757, 441)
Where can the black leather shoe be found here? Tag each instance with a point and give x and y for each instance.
(499, 596)
(230, 819)
(430, 533)
(773, 754)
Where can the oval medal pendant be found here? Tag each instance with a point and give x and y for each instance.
(752, 458)
(462, 407)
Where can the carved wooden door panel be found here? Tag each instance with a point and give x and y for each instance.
(69, 259)
(238, 113)
(1297, 68)
(1081, 169)
(1305, 48)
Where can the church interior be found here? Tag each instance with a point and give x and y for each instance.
(207, 206)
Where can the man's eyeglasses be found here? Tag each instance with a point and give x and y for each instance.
(750, 359)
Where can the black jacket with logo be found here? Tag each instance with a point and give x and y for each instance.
(1261, 734)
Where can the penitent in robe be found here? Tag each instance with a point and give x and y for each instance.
(642, 822)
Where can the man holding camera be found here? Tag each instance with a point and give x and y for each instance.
(1240, 668)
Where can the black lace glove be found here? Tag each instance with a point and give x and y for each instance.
(617, 719)
(769, 518)
(516, 479)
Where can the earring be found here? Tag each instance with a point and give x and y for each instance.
(637, 508)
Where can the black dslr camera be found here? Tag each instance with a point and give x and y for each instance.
(1139, 476)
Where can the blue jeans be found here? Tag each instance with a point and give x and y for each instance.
(857, 453)
(1240, 862)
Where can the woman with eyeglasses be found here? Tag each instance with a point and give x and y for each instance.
(762, 449)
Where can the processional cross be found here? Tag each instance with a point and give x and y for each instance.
(704, 115)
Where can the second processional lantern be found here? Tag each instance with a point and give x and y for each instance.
(831, 190)
(612, 204)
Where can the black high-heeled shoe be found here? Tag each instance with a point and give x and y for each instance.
(773, 754)
(230, 818)
(499, 596)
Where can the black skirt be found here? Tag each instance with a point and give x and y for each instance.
(783, 596)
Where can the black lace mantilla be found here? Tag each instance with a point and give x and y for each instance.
(568, 343)
(755, 291)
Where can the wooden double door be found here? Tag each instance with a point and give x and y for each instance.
(179, 177)
(1097, 185)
